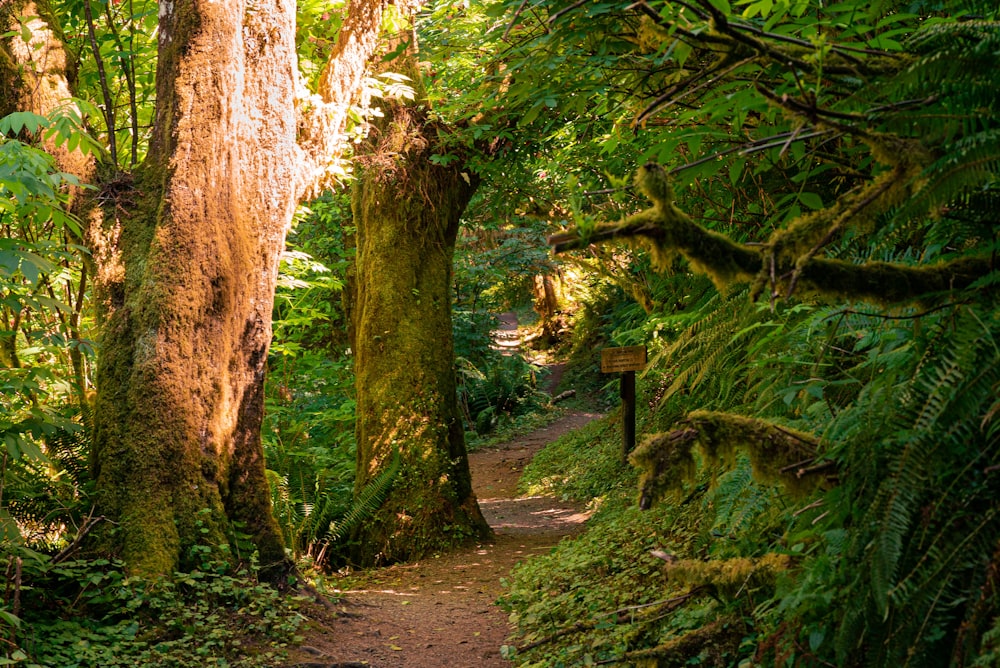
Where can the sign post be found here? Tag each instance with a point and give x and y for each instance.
(626, 361)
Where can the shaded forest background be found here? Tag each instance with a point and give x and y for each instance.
(792, 204)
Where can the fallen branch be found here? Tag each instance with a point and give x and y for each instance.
(621, 616)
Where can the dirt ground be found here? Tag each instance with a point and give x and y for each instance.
(440, 612)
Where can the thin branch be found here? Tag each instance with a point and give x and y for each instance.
(670, 604)
(85, 528)
(566, 10)
(109, 107)
(653, 14)
(129, 72)
(883, 316)
(513, 20)
(836, 227)
(815, 504)
(665, 102)
(761, 47)
(753, 147)
(606, 191)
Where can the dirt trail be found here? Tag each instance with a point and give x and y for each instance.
(440, 612)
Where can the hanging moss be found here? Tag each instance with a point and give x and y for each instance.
(888, 283)
(712, 646)
(666, 460)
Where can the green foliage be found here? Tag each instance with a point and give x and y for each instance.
(928, 528)
(506, 387)
(893, 564)
(44, 355)
(90, 614)
(317, 24)
(309, 426)
(583, 465)
(116, 48)
(605, 594)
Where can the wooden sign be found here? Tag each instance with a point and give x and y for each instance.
(629, 358)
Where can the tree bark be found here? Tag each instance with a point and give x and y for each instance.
(186, 324)
(187, 258)
(407, 213)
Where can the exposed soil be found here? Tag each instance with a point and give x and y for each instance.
(440, 612)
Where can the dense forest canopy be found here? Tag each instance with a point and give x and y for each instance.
(792, 203)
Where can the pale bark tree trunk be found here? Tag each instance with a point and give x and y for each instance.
(407, 213)
(189, 255)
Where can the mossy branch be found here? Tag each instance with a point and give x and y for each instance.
(666, 231)
(629, 615)
(720, 640)
(778, 454)
(729, 577)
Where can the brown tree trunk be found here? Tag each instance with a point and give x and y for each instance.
(407, 213)
(187, 323)
(187, 256)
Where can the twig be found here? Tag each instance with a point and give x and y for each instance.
(796, 465)
(109, 106)
(883, 316)
(815, 504)
(653, 14)
(661, 104)
(85, 528)
(566, 10)
(755, 146)
(606, 191)
(15, 607)
(513, 20)
(812, 445)
(816, 468)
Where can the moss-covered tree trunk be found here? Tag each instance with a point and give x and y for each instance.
(188, 316)
(188, 252)
(407, 213)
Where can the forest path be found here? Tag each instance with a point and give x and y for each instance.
(440, 612)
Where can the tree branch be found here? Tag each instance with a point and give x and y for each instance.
(667, 231)
(667, 460)
(622, 616)
(323, 115)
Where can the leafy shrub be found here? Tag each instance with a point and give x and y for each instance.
(582, 465)
(505, 387)
(90, 614)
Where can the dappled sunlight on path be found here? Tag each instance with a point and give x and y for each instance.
(440, 612)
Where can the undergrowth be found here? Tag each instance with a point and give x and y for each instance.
(582, 465)
(91, 614)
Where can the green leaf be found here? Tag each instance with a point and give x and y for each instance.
(15, 122)
(811, 200)
(736, 170)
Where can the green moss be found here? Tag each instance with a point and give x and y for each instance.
(887, 283)
(713, 645)
(668, 460)
(407, 212)
(667, 232)
(730, 577)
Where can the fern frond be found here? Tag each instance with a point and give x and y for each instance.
(971, 166)
(367, 503)
(934, 519)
